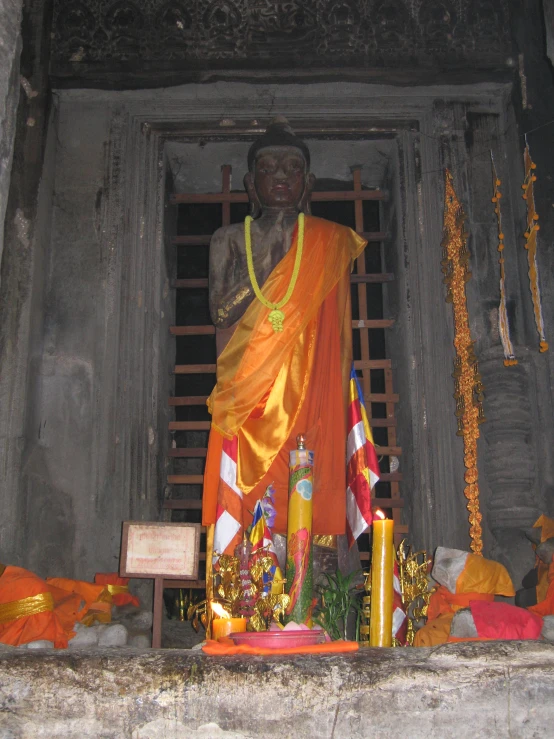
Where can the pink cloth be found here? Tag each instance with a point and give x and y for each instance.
(502, 621)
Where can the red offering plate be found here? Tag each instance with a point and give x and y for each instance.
(279, 639)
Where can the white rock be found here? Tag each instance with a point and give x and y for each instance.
(85, 637)
(113, 635)
(40, 644)
(548, 628)
(140, 641)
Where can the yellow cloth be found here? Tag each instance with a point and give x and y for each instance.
(435, 632)
(26, 607)
(482, 575)
(546, 525)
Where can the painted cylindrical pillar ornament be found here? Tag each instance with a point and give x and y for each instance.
(299, 573)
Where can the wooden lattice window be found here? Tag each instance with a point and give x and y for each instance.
(199, 215)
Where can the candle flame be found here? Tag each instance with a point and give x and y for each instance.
(218, 609)
(379, 514)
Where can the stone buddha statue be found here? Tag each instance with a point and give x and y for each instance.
(279, 186)
(278, 377)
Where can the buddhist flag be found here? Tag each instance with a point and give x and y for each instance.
(228, 523)
(399, 618)
(261, 538)
(362, 467)
(260, 533)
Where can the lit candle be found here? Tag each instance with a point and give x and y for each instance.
(225, 625)
(382, 572)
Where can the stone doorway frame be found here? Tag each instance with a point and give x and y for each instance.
(427, 138)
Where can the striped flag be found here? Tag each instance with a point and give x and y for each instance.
(228, 523)
(399, 618)
(362, 467)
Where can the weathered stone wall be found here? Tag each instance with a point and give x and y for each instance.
(92, 442)
(10, 49)
(26, 235)
(467, 691)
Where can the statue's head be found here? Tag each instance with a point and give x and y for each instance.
(279, 175)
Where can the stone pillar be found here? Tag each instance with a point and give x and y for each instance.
(509, 460)
(10, 49)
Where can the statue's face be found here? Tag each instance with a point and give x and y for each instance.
(280, 174)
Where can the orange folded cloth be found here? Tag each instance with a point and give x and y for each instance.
(28, 610)
(228, 647)
(118, 587)
(442, 601)
(97, 599)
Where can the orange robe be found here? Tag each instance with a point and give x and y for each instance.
(273, 386)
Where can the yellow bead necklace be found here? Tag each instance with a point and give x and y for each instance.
(276, 316)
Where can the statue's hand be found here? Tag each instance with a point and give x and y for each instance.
(230, 289)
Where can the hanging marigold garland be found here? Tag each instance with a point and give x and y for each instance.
(467, 380)
(503, 324)
(531, 244)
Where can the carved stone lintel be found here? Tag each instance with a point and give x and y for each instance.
(324, 32)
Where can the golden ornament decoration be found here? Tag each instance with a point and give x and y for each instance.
(468, 391)
(276, 316)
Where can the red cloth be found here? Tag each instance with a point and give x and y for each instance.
(502, 621)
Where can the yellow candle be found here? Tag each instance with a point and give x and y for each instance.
(382, 571)
(225, 626)
(299, 571)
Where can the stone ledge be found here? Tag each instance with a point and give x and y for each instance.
(501, 689)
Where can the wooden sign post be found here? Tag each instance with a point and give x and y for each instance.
(162, 551)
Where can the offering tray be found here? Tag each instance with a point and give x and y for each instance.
(279, 639)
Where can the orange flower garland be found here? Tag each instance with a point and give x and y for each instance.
(531, 244)
(503, 324)
(467, 380)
